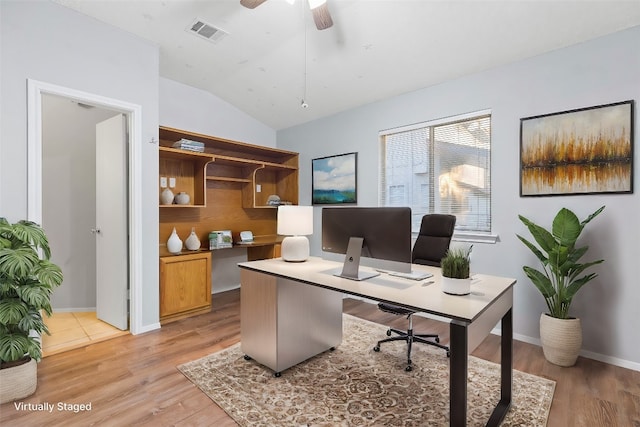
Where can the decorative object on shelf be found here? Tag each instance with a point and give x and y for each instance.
(187, 144)
(182, 198)
(333, 179)
(166, 197)
(246, 237)
(192, 243)
(455, 272)
(28, 278)
(559, 281)
(583, 151)
(295, 222)
(220, 239)
(273, 200)
(174, 244)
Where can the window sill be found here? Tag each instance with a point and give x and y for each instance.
(476, 238)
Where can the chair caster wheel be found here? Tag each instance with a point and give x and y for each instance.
(408, 368)
(448, 354)
(376, 348)
(437, 339)
(277, 374)
(247, 357)
(389, 332)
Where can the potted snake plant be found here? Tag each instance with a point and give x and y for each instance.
(27, 279)
(455, 271)
(561, 277)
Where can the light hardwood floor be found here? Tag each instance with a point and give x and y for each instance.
(133, 380)
(69, 330)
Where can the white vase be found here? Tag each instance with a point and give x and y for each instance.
(174, 244)
(166, 197)
(561, 339)
(192, 243)
(456, 286)
(182, 198)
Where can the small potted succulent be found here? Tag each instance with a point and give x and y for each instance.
(27, 280)
(455, 271)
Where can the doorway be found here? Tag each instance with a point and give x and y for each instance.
(75, 182)
(62, 189)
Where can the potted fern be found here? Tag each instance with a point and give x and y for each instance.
(27, 279)
(562, 276)
(455, 271)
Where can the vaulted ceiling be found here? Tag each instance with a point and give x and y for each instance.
(271, 58)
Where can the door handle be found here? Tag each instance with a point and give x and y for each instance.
(95, 230)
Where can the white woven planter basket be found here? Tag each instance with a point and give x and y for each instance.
(18, 382)
(561, 339)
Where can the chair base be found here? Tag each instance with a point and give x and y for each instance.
(409, 337)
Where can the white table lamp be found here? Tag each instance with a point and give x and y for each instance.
(295, 222)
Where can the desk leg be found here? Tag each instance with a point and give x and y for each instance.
(506, 371)
(458, 374)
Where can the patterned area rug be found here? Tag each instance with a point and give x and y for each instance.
(355, 386)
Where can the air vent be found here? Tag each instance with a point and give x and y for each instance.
(206, 31)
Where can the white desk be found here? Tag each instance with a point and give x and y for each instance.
(272, 297)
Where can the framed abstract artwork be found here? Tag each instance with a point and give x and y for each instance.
(583, 151)
(334, 179)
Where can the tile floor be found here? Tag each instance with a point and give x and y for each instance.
(74, 330)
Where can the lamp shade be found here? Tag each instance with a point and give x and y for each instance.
(295, 220)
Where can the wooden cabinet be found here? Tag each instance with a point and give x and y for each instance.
(185, 285)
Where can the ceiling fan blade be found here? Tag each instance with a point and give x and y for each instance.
(251, 4)
(322, 17)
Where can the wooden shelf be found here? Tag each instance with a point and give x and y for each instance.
(228, 179)
(228, 184)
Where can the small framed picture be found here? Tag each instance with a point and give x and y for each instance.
(334, 179)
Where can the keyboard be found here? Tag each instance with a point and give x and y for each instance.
(414, 275)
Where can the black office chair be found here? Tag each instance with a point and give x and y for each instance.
(430, 247)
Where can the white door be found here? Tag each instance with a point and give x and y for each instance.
(111, 228)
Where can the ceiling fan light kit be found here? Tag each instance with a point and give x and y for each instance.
(319, 10)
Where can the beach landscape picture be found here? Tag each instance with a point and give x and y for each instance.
(334, 179)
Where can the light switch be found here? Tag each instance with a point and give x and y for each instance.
(258, 188)
(172, 182)
(163, 182)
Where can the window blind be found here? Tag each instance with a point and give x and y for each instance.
(440, 168)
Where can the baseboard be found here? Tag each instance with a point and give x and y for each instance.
(74, 310)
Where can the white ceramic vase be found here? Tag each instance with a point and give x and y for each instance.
(174, 244)
(182, 198)
(166, 197)
(456, 286)
(192, 243)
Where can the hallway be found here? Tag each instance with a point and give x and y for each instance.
(71, 330)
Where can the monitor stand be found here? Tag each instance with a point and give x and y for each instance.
(351, 267)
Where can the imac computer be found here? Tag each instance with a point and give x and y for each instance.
(382, 234)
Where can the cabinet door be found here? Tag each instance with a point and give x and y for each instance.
(185, 283)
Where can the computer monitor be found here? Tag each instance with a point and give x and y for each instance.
(379, 233)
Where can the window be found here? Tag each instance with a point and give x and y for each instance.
(440, 167)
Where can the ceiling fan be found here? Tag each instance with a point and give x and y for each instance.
(319, 10)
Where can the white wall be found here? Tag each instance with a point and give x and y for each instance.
(44, 41)
(598, 72)
(185, 107)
